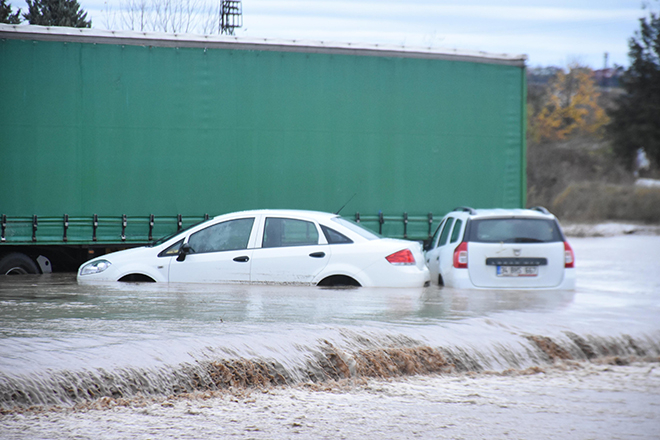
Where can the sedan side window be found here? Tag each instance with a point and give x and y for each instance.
(280, 232)
(457, 230)
(225, 236)
(334, 237)
(445, 231)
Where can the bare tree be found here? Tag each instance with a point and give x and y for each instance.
(108, 16)
(184, 13)
(176, 16)
(209, 19)
(162, 14)
(134, 15)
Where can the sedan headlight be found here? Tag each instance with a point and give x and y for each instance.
(97, 266)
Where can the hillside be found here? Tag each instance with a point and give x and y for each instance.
(580, 180)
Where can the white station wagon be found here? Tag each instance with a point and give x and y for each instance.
(501, 249)
(269, 246)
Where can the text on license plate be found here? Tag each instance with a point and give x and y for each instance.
(517, 271)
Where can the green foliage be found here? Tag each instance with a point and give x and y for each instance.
(636, 118)
(6, 15)
(567, 107)
(56, 13)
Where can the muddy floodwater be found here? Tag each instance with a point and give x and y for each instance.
(150, 361)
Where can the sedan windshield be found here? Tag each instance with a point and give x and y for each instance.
(514, 230)
(172, 235)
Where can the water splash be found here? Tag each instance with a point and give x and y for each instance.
(326, 361)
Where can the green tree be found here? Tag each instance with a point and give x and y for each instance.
(56, 13)
(6, 15)
(567, 107)
(636, 117)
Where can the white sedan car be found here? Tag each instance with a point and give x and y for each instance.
(269, 246)
(501, 249)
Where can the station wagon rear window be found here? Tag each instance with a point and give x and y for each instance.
(513, 230)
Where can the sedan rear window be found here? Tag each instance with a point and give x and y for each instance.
(513, 230)
(358, 229)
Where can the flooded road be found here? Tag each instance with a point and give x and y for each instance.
(219, 361)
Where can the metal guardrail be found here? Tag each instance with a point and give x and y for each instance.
(91, 230)
(407, 222)
(97, 229)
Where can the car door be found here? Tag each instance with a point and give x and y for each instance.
(218, 253)
(290, 252)
(437, 257)
(432, 254)
(450, 242)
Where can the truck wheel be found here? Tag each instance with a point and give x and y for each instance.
(17, 264)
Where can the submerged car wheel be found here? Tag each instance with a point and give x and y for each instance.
(137, 278)
(338, 281)
(17, 264)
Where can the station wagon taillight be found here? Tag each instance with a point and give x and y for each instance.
(461, 256)
(569, 256)
(403, 257)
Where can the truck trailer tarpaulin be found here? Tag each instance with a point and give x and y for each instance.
(113, 139)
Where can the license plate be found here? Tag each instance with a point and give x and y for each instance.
(517, 271)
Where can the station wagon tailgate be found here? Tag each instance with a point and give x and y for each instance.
(516, 265)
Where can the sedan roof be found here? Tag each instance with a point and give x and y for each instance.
(318, 215)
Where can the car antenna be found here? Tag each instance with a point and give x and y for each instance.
(339, 210)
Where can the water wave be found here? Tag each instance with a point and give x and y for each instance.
(323, 362)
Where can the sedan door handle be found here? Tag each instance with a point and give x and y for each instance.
(243, 259)
(317, 254)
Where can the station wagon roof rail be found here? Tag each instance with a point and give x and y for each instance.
(540, 209)
(472, 211)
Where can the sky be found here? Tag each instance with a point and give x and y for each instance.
(549, 32)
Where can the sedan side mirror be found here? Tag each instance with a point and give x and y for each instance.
(183, 251)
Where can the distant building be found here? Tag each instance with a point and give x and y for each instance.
(608, 77)
(604, 78)
(541, 75)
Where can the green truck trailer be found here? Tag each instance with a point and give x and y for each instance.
(113, 139)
